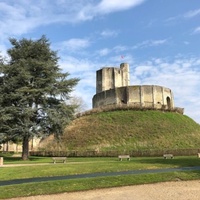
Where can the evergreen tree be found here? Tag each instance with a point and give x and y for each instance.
(34, 92)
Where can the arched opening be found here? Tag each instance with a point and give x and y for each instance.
(168, 103)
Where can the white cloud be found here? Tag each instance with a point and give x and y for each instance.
(119, 49)
(117, 59)
(15, 20)
(22, 17)
(196, 30)
(192, 13)
(104, 52)
(106, 6)
(76, 66)
(109, 33)
(186, 42)
(188, 15)
(158, 42)
(75, 44)
(150, 43)
(142, 72)
(19, 17)
(3, 50)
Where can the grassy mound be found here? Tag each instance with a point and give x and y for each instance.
(131, 130)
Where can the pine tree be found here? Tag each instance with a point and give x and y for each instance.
(34, 92)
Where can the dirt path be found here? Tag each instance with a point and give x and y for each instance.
(180, 190)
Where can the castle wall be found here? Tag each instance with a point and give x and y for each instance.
(147, 96)
(104, 98)
(134, 95)
(158, 99)
(167, 93)
(144, 95)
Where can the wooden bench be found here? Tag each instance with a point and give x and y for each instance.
(62, 159)
(124, 156)
(168, 156)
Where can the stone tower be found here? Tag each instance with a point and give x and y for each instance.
(112, 88)
(110, 77)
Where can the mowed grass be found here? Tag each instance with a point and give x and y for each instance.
(55, 187)
(43, 167)
(130, 130)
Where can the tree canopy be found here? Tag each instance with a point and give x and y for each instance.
(33, 92)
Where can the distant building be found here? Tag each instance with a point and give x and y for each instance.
(34, 143)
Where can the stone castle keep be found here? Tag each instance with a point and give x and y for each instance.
(112, 88)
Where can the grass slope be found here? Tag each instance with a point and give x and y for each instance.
(132, 130)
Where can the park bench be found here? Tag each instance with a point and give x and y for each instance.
(61, 159)
(168, 156)
(124, 156)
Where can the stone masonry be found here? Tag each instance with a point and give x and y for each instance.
(112, 88)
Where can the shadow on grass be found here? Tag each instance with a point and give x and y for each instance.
(181, 161)
(17, 160)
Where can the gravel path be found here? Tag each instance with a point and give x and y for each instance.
(180, 190)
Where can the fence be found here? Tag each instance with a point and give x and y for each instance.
(133, 153)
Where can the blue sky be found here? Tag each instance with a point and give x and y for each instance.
(160, 39)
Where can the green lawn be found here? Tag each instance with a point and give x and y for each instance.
(88, 165)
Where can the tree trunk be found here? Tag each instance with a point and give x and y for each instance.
(25, 148)
(7, 148)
